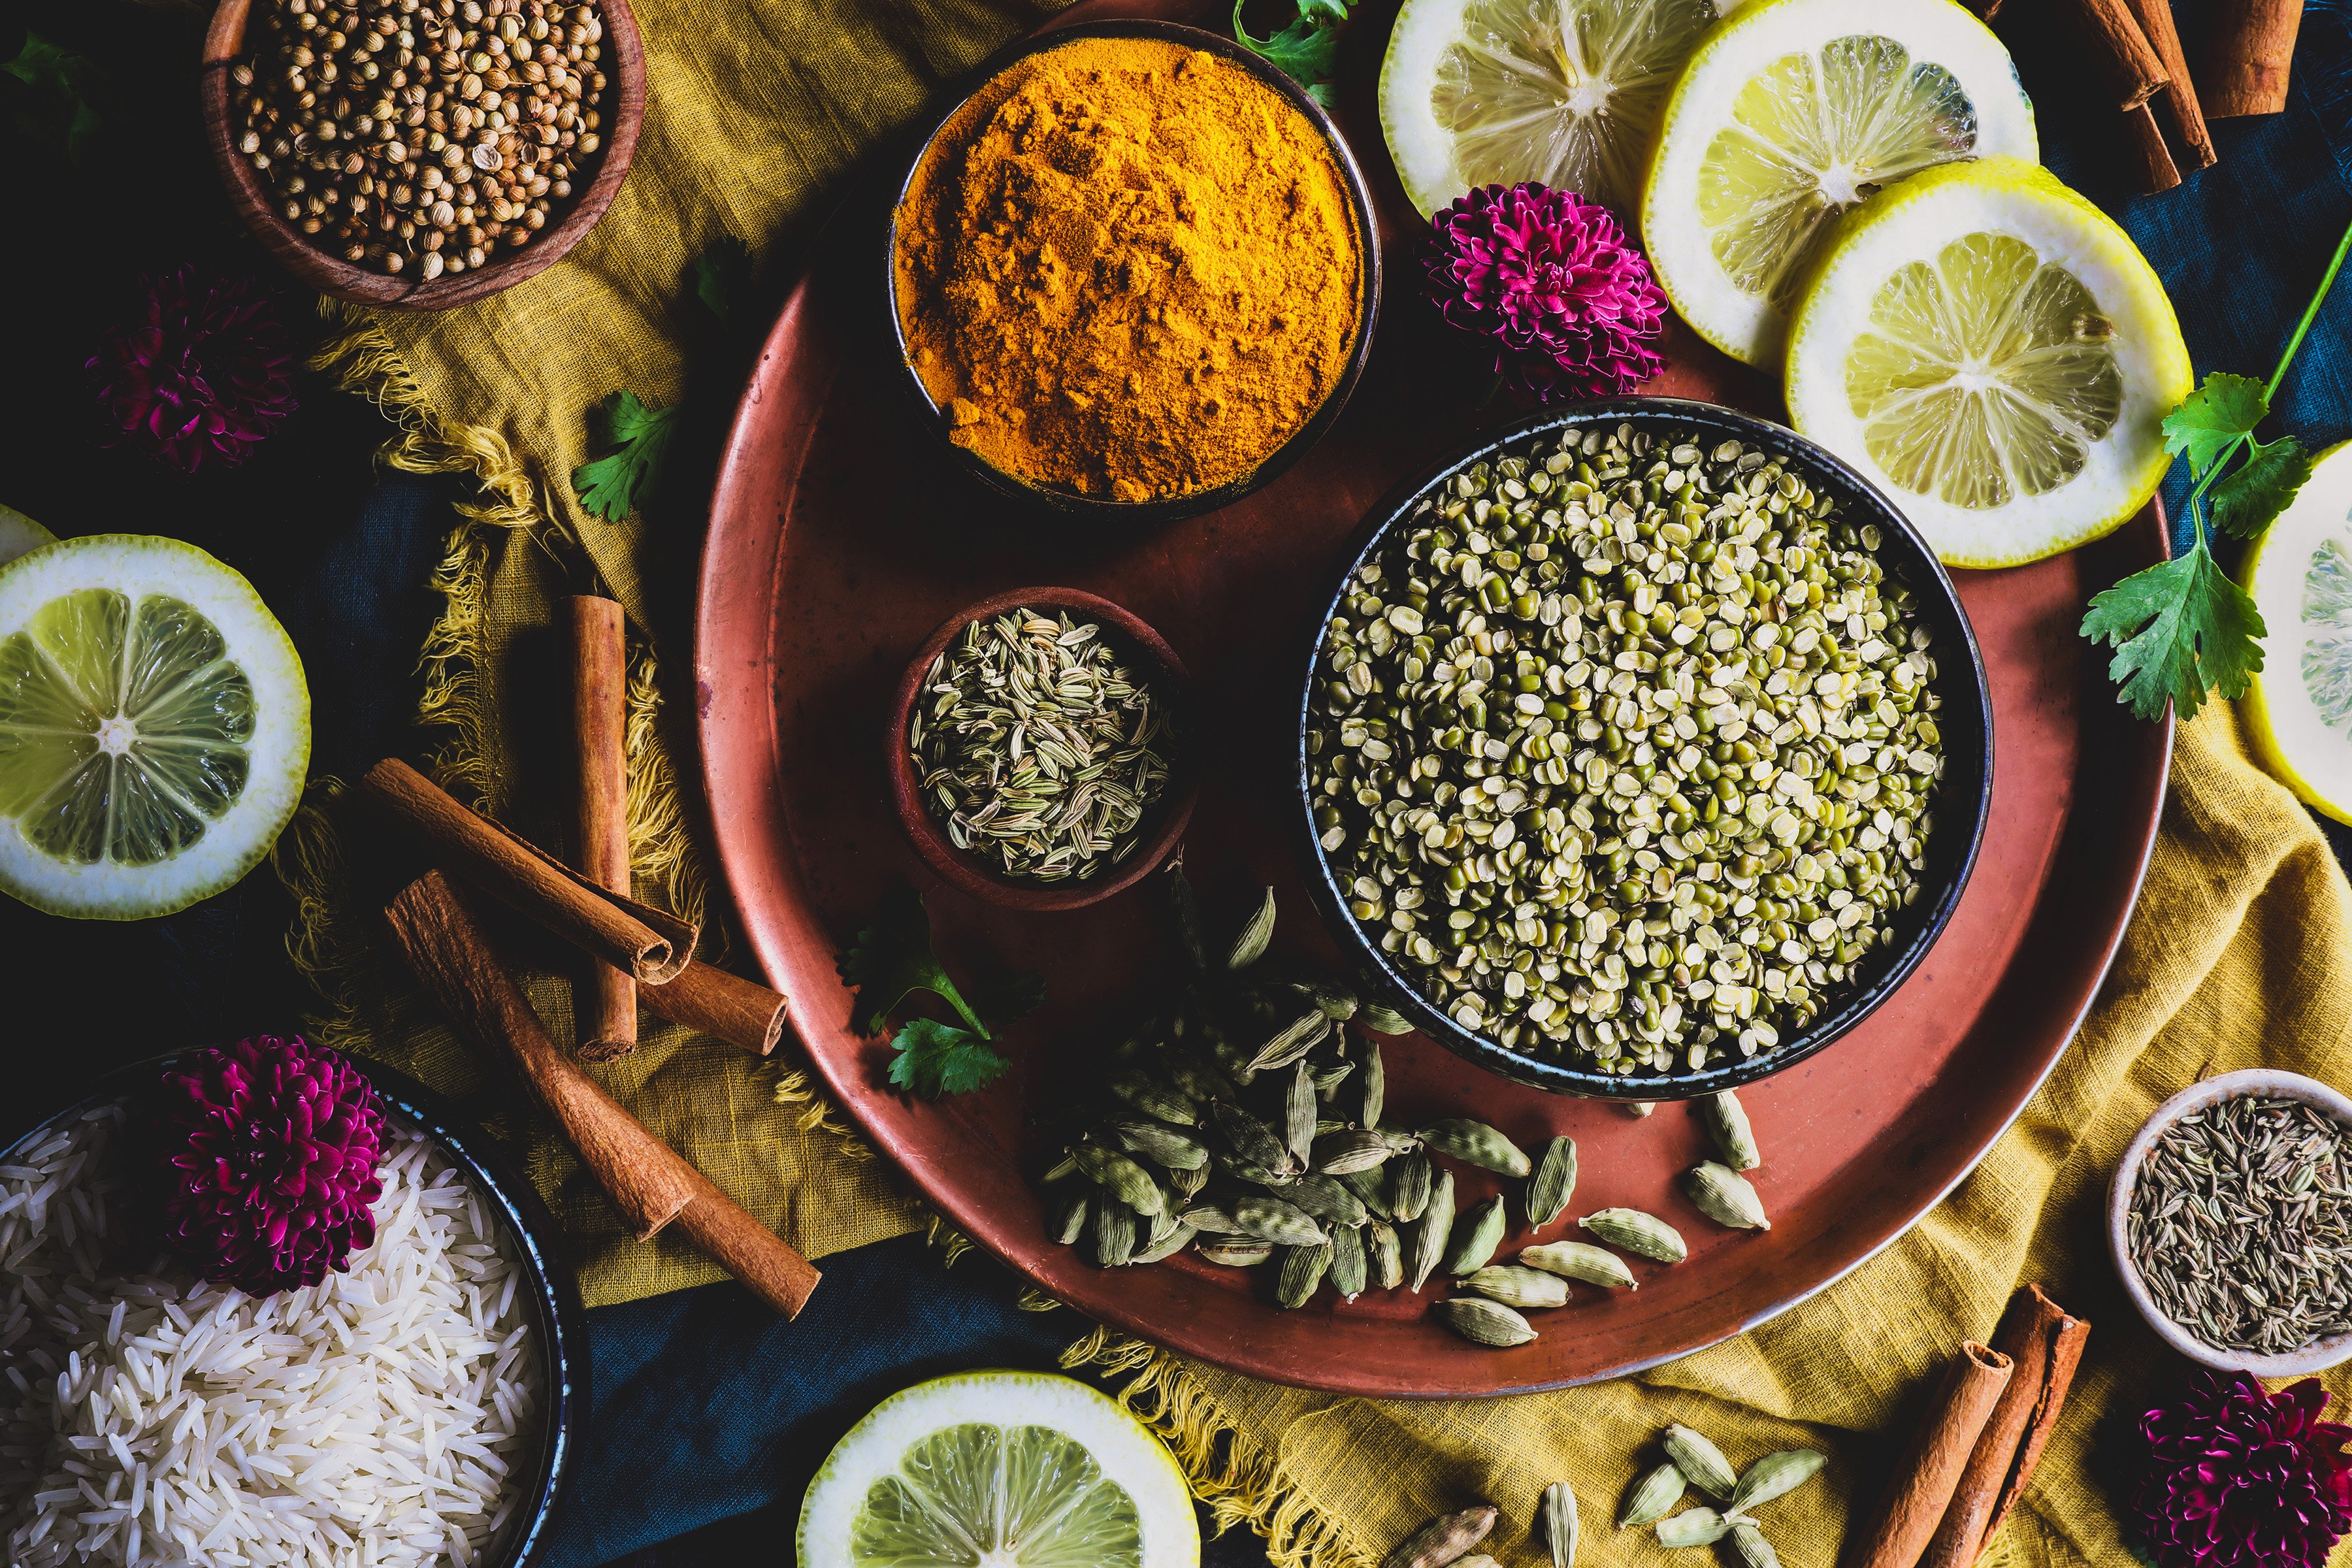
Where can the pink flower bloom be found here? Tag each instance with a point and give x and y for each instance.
(205, 370)
(2241, 1479)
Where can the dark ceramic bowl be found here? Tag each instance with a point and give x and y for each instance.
(1154, 661)
(1148, 513)
(1960, 803)
(558, 1319)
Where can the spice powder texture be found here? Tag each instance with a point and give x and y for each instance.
(1128, 270)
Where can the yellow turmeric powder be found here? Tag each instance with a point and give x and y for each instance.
(1127, 269)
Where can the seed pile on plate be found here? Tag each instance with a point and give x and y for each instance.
(1625, 749)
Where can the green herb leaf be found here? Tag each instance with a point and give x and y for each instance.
(892, 959)
(2212, 417)
(616, 484)
(935, 1058)
(63, 85)
(2250, 500)
(1302, 50)
(722, 275)
(2179, 630)
(1330, 13)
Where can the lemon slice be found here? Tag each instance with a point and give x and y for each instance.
(154, 727)
(1995, 352)
(1789, 113)
(1566, 92)
(999, 1470)
(20, 535)
(2298, 710)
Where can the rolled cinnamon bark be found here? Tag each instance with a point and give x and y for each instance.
(2125, 59)
(651, 944)
(1923, 1479)
(2176, 105)
(2044, 1344)
(651, 1183)
(605, 1002)
(744, 1013)
(2248, 56)
(2152, 167)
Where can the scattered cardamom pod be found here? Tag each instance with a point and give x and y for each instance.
(1326, 1199)
(1475, 1236)
(1692, 1527)
(1382, 1019)
(1556, 1513)
(1339, 1004)
(1162, 1144)
(1328, 1080)
(1154, 1100)
(1247, 1171)
(1070, 1219)
(1385, 1253)
(1190, 932)
(1236, 1251)
(1724, 1196)
(1699, 1459)
(1195, 1076)
(1350, 1149)
(1303, 1269)
(1726, 1123)
(1188, 1184)
(1652, 1496)
(1350, 1272)
(1300, 1131)
(1211, 1218)
(1375, 1086)
(1111, 1228)
(1256, 931)
(1554, 1181)
(1436, 1227)
(1484, 1322)
(1476, 1143)
(1525, 1288)
(1774, 1475)
(1580, 1260)
(1292, 1041)
(1249, 1138)
(1443, 1540)
(1370, 1188)
(1753, 1548)
(1062, 1170)
(1637, 1232)
(1641, 1107)
(1119, 1176)
(1410, 1175)
(1170, 1236)
(1271, 1219)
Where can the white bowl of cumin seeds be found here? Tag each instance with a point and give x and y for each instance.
(2230, 1219)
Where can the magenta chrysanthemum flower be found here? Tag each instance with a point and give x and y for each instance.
(2238, 1477)
(1554, 279)
(203, 373)
(268, 1153)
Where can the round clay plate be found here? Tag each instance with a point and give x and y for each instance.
(840, 537)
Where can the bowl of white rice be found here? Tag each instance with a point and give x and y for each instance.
(414, 1410)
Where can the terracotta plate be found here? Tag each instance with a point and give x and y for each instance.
(839, 538)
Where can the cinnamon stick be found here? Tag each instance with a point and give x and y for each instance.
(2121, 52)
(1930, 1468)
(650, 1181)
(2063, 1353)
(2248, 56)
(743, 1013)
(2178, 103)
(650, 944)
(2045, 1343)
(2153, 169)
(605, 1001)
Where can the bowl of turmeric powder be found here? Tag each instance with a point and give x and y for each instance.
(1133, 274)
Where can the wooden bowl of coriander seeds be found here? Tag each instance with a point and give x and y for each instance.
(1644, 749)
(418, 154)
(1038, 749)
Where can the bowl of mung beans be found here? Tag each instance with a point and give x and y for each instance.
(1644, 749)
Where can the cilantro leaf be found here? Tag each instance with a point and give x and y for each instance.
(721, 275)
(2179, 630)
(2210, 419)
(1330, 13)
(62, 83)
(935, 1058)
(616, 484)
(2250, 500)
(1302, 50)
(892, 959)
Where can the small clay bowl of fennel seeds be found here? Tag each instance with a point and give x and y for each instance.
(2230, 1219)
(1040, 749)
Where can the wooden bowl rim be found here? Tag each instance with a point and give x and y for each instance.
(310, 263)
(965, 872)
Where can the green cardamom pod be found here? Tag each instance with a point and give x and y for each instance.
(1350, 1268)
(1637, 1232)
(1726, 1123)
(1195, 1076)
(1652, 1496)
(1070, 1219)
(1336, 1002)
(1558, 1513)
(1300, 1113)
(1303, 1269)
(1249, 943)
(1724, 1196)
(1385, 1253)
(1443, 1539)
(1190, 931)
(1476, 1143)
(1753, 1548)
(1436, 1229)
(1249, 1138)
(1525, 1288)
(1580, 1260)
(1475, 1236)
(1119, 1176)
(1329, 1079)
(1271, 1219)
(1410, 1178)
(1484, 1322)
(1235, 1251)
(1641, 1107)
(1290, 1042)
(1161, 1143)
(1375, 1086)
(1154, 1100)
(1350, 1150)
(1188, 1184)
(1213, 1218)
(1370, 1188)
(1326, 1199)
(1112, 1229)
(1554, 1181)
(1256, 1176)
(1698, 1458)
(1062, 1171)
(1169, 1237)
(1384, 1019)
(1692, 1527)
(1774, 1475)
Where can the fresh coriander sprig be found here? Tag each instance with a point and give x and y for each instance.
(625, 478)
(2185, 627)
(891, 960)
(1306, 49)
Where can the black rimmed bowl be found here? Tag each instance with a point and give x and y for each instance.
(1072, 504)
(1960, 803)
(557, 1318)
